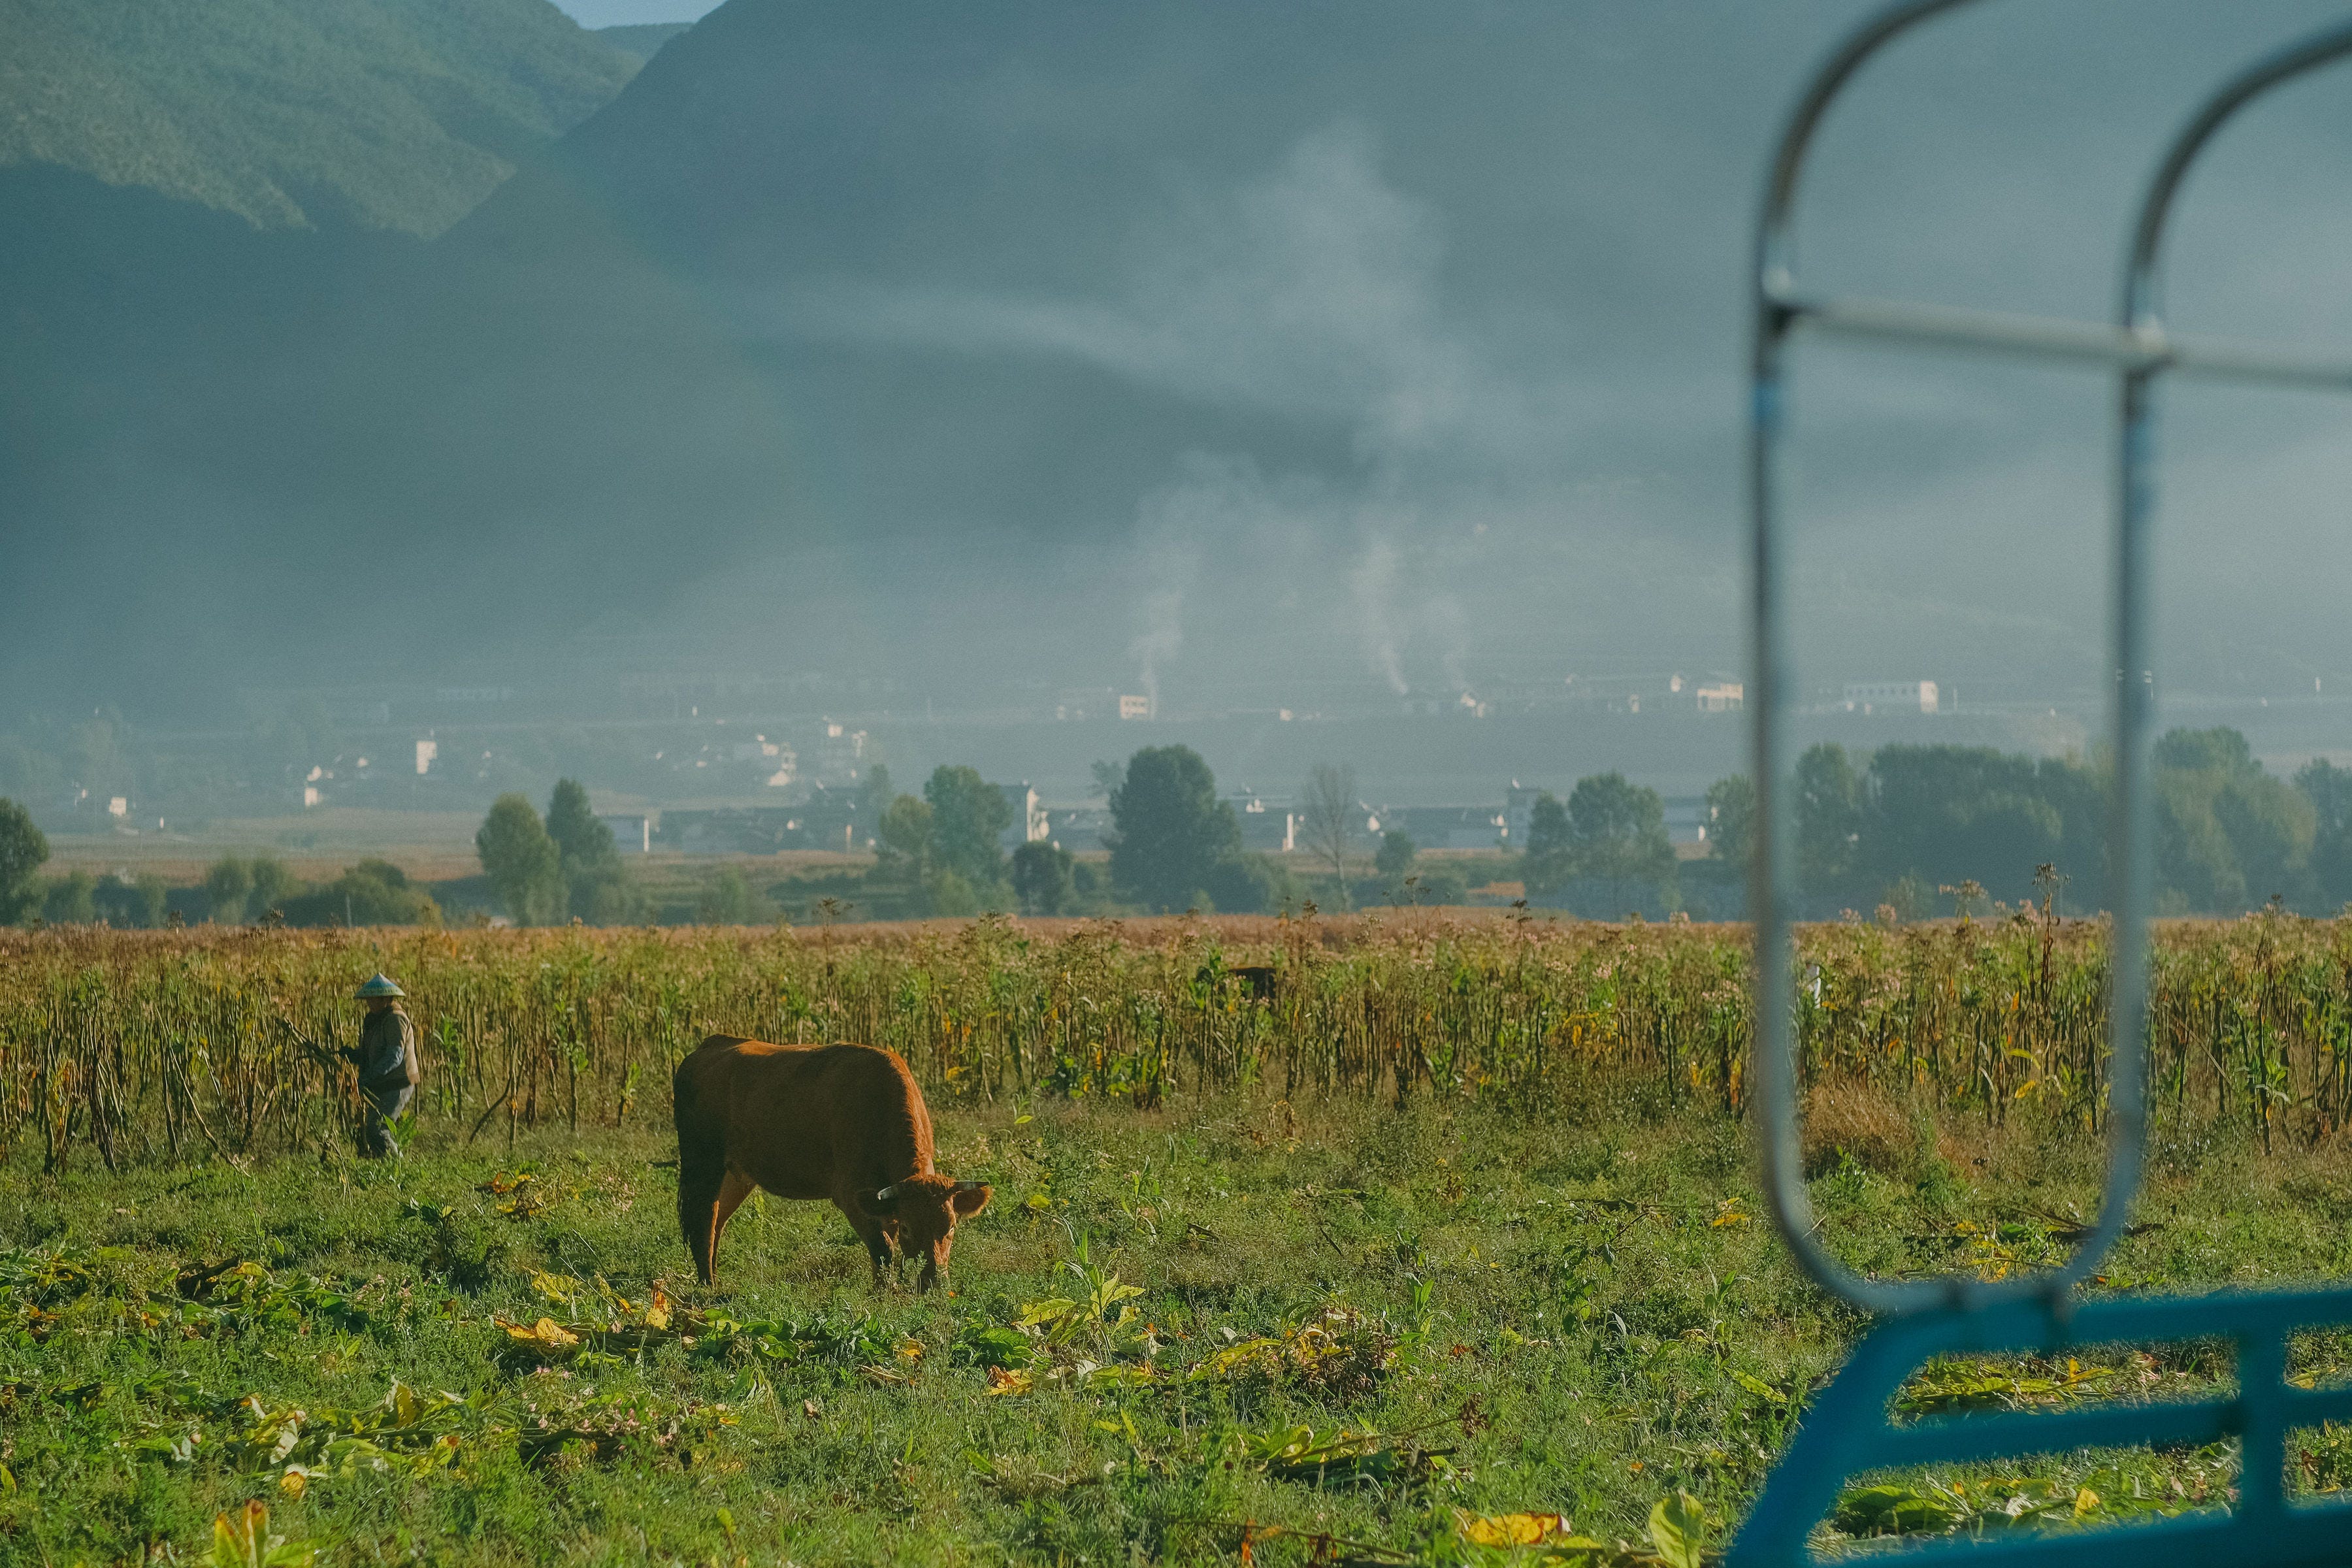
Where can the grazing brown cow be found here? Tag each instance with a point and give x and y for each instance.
(845, 1123)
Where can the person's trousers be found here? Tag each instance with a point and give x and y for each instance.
(383, 1107)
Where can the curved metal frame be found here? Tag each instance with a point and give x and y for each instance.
(2140, 348)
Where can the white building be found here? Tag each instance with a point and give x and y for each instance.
(1723, 697)
(1134, 707)
(1029, 824)
(1893, 696)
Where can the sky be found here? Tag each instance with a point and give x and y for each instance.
(616, 12)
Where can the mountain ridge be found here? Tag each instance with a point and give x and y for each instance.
(643, 39)
(295, 113)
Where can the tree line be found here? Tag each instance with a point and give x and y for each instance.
(1908, 827)
(1908, 830)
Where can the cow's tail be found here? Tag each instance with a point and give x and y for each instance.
(701, 1166)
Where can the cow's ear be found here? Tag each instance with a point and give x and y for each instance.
(970, 1197)
(879, 1202)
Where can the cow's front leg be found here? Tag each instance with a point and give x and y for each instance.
(874, 1233)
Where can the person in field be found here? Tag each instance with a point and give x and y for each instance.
(843, 1122)
(386, 1057)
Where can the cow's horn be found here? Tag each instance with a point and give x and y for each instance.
(967, 1186)
(885, 1194)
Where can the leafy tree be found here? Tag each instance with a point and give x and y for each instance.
(70, 900)
(1829, 825)
(524, 864)
(905, 836)
(374, 892)
(1250, 884)
(2221, 750)
(1731, 822)
(1172, 835)
(2228, 835)
(2328, 788)
(2270, 830)
(1549, 860)
(969, 816)
(1042, 877)
(1330, 811)
(1394, 860)
(1395, 856)
(227, 890)
(135, 905)
(1946, 814)
(23, 849)
(273, 884)
(584, 844)
(728, 901)
(1618, 843)
(597, 889)
(946, 893)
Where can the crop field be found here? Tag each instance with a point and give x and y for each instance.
(1440, 1243)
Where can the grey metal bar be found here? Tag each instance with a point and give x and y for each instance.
(1772, 884)
(2090, 342)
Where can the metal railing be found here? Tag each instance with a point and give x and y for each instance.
(1847, 1428)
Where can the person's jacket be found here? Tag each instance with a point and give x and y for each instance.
(387, 1053)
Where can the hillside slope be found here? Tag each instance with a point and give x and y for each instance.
(391, 114)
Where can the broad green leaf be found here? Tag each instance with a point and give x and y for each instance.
(1678, 1528)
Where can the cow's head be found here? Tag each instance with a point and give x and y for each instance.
(925, 1209)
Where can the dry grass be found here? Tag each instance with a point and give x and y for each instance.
(141, 1044)
(1854, 1118)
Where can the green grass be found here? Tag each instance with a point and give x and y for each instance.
(1558, 1314)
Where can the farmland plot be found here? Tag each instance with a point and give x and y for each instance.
(1480, 1276)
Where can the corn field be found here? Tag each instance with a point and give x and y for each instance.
(175, 1045)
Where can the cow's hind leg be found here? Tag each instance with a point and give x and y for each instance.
(731, 1193)
(699, 1184)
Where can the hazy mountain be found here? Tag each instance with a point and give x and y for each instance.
(1209, 344)
(397, 115)
(643, 39)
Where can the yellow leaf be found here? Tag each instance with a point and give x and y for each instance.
(293, 1481)
(2085, 1501)
(1512, 1529)
(657, 1315)
(555, 1286)
(1004, 1380)
(546, 1333)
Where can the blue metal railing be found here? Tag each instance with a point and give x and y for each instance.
(1846, 1429)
